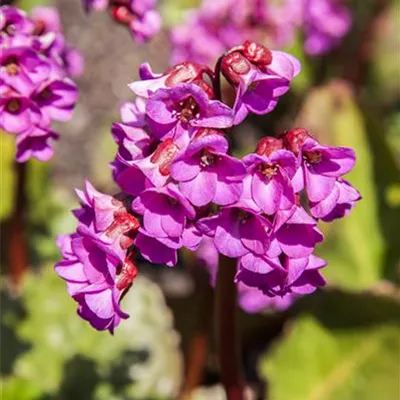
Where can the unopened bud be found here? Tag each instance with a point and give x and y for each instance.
(267, 145)
(257, 53)
(293, 140)
(233, 66)
(164, 155)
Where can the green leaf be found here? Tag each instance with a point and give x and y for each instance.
(341, 346)
(67, 358)
(13, 388)
(27, 5)
(173, 11)
(7, 150)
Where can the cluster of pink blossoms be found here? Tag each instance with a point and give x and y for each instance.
(182, 188)
(140, 16)
(218, 25)
(36, 64)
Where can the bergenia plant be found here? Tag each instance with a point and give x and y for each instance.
(36, 65)
(140, 16)
(216, 26)
(181, 187)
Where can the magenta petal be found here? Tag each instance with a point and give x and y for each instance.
(101, 303)
(266, 193)
(260, 265)
(227, 192)
(227, 240)
(318, 186)
(254, 235)
(200, 190)
(324, 207)
(154, 251)
(152, 222)
(185, 168)
(173, 221)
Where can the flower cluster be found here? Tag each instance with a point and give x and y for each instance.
(36, 64)
(182, 188)
(140, 16)
(218, 25)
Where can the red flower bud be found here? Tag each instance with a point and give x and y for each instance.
(185, 72)
(294, 139)
(127, 275)
(257, 53)
(164, 155)
(122, 14)
(268, 145)
(233, 66)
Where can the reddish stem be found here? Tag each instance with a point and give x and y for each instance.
(227, 330)
(18, 247)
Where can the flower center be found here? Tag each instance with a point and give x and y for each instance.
(9, 29)
(45, 94)
(242, 216)
(207, 159)
(189, 109)
(313, 157)
(269, 170)
(13, 105)
(252, 86)
(12, 66)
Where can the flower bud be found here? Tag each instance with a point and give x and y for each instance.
(268, 145)
(293, 140)
(185, 72)
(257, 54)
(233, 66)
(164, 155)
(122, 14)
(126, 275)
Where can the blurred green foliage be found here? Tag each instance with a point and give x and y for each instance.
(7, 176)
(63, 357)
(340, 346)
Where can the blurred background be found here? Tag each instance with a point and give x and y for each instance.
(339, 343)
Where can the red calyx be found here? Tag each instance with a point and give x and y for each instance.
(127, 274)
(188, 72)
(40, 28)
(234, 65)
(122, 14)
(206, 132)
(185, 72)
(257, 53)
(293, 140)
(268, 145)
(164, 155)
(124, 225)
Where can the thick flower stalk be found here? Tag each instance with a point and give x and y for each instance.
(216, 26)
(140, 16)
(36, 65)
(182, 188)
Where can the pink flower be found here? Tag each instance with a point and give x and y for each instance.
(207, 174)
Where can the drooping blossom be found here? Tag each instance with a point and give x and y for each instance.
(36, 64)
(97, 265)
(320, 165)
(260, 77)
